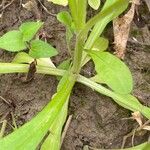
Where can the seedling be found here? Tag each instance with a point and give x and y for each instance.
(111, 71)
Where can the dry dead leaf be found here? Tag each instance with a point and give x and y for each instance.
(121, 27)
(146, 128)
(138, 117)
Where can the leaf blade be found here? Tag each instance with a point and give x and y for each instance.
(41, 49)
(29, 29)
(29, 135)
(112, 71)
(12, 41)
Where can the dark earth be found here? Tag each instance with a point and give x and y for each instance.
(97, 120)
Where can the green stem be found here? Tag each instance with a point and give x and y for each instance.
(78, 11)
(134, 105)
(77, 55)
(120, 99)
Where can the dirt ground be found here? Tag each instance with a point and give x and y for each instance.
(97, 120)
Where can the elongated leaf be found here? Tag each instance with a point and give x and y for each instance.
(12, 41)
(112, 8)
(29, 135)
(110, 11)
(65, 18)
(53, 141)
(78, 12)
(60, 2)
(29, 29)
(41, 49)
(94, 3)
(112, 71)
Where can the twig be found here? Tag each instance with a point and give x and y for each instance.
(132, 133)
(2, 131)
(5, 100)
(46, 10)
(133, 137)
(4, 7)
(13, 121)
(66, 128)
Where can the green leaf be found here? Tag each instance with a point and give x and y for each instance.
(41, 49)
(22, 57)
(29, 135)
(65, 64)
(101, 44)
(12, 41)
(125, 100)
(29, 29)
(78, 12)
(143, 146)
(53, 141)
(60, 2)
(65, 18)
(112, 71)
(111, 9)
(94, 3)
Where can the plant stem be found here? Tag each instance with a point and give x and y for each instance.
(134, 105)
(120, 99)
(78, 11)
(77, 55)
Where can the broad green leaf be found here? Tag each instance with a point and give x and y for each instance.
(65, 18)
(29, 29)
(111, 9)
(22, 57)
(112, 71)
(94, 3)
(101, 44)
(60, 2)
(29, 135)
(41, 49)
(12, 41)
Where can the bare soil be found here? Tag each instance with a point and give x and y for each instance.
(97, 120)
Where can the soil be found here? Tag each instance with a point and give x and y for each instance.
(97, 120)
